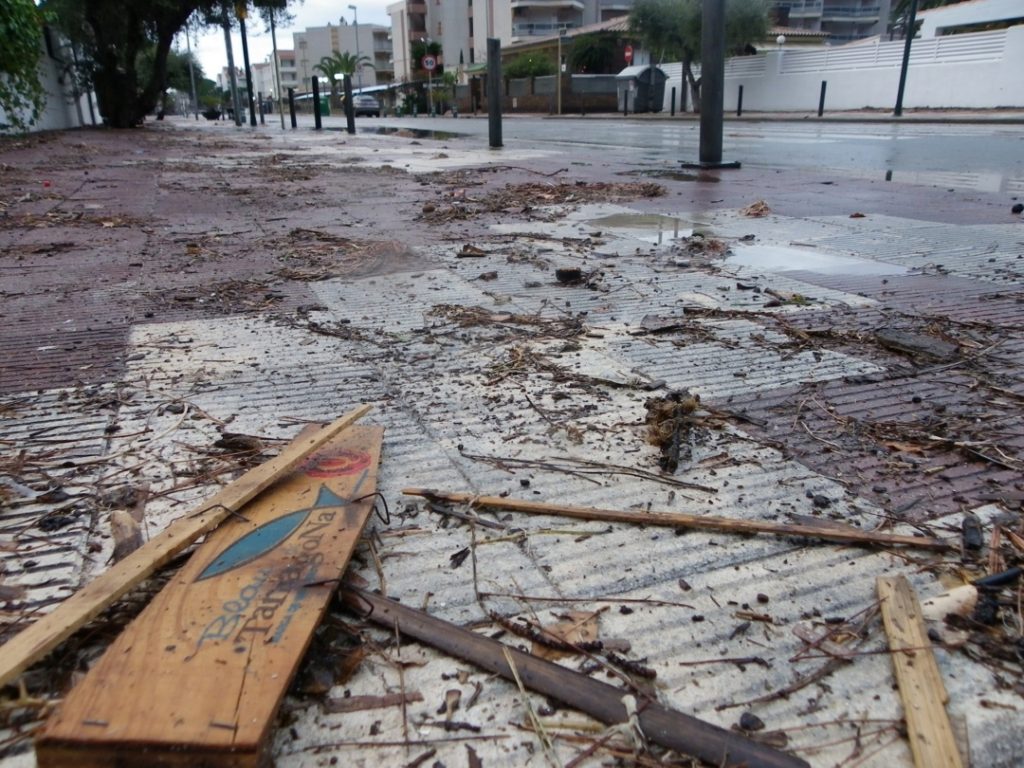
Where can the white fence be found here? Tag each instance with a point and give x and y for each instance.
(971, 71)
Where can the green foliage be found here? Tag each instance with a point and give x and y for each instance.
(671, 29)
(340, 64)
(593, 54)
(21, 94)
(529, 65)
(127, 46)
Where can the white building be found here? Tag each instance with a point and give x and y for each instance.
(971, 16)
(843, 20)
(462, 28)
(372, 41)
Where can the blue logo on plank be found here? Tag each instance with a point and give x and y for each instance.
(268, 536)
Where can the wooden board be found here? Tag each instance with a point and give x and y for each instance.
(36, 641)
(921, 689)
(197, 678)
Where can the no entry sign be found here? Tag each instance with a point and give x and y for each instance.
(629, 54)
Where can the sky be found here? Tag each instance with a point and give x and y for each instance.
(208, 44)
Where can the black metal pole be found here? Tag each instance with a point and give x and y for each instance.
(821, 98)
(494, 91)
(712, 88)
(909, 33)
(739, 103)
(712, 81)
(291, 107)
(350, 112)
(317, 121)
(248, 74)
(259, 100)
(673, 113)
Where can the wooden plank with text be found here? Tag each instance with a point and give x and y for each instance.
(197, 678)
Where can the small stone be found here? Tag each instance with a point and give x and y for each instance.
(762, 597)
(820, 501)
(1017, 208)
(751, 722)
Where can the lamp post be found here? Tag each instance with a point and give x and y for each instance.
(359, 66)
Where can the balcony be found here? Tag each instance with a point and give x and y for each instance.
(540, 30)
(861, 14)
(807, 10)
(575, 5)
(415, 7)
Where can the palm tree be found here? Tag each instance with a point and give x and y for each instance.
(340, 64)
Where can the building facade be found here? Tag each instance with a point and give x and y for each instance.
(842, 20)
(370, 40)
(462, 28)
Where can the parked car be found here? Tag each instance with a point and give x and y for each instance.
(365, 105)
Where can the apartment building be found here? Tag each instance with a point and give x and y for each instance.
(463, 26)
(842, 20)
(370, 40)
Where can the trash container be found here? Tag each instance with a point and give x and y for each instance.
(643, 87)
(325, 106)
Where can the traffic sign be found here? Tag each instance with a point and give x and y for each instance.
(629, 54)
(429, 63)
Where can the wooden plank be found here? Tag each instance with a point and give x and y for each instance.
(675, 730)
(31, 644)
(921, 689)
(845, 534)
(198, 677)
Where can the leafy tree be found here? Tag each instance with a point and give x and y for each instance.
(593, 54)
(671, 29)
(21, 94)
(340, 64)
(117, 36)
(529, 65)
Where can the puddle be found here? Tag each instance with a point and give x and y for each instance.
(408, 133)
(648, 227)
(773, 258)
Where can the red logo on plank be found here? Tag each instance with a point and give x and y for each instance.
(338, 464)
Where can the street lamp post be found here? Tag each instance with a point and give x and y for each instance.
(561, 69)
(359, 66)
(430, 78)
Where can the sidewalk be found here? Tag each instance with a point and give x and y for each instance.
(953, 116)
(179, 300)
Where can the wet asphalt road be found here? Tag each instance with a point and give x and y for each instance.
(981, 157)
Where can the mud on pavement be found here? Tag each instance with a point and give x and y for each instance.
(178, 301)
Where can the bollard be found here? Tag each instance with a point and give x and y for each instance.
(291, 107)
(317, 120)
(350, 110)
(625, 103)
(259, 99)
(739, 103)
(821, 99)
(494, 91)
(673, 112)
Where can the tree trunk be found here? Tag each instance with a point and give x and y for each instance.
(690, 81)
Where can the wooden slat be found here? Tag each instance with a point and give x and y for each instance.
(197, 678)
(31, 644)
(675, 730)
(921, 689)
(831, 532)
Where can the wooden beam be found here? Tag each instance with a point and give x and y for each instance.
(921, 689)
(674, 730)
(197, 678)
(31, 644)
(846, 534)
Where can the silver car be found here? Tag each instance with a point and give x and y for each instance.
(365, 105)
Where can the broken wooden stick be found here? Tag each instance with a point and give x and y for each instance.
(604, 702)
(31, 644)
(842, 533)
(921, 689)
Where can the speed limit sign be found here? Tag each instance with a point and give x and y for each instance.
(429, 63)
